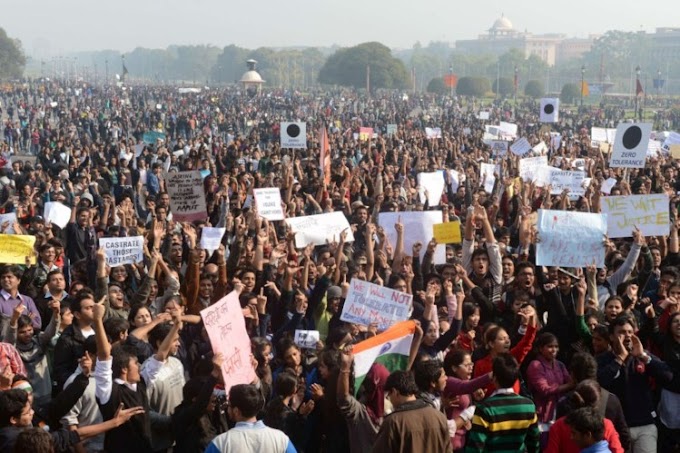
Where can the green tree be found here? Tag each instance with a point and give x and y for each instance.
(534, 89)
(503, 86)
(437, 86)
(570, 92)
(347, 67)
(473, 86)
(230, 64)
(12, 58)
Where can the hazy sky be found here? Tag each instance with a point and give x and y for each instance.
(58, 26)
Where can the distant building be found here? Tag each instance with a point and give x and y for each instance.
(251, 79)
(502, 37)
(666, 43)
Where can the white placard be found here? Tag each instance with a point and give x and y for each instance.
(540, 148)
(433, 183)
(123, 250)
(319, 229)
(486, 175)
(211, 238)
(567, 179)
(187, 197)
(550, 110)
(608, 185)
(367, 303)
(570, 238)
(294, 135)
(10, 218)
(269, 203)
(57, 213)
(417, 228)
(508, 130)
(499, 148)
(649, 213)
(672, 139)
(529, 166)
(306, 339)
(520, 147)
(433, 132)
(483, 115)
(456, 179)
(630, 145)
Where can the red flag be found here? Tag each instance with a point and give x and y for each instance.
(325, 155)
(638, 88)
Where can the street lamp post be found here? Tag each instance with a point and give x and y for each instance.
(515, 83)
(637, 96)
(583, 74)
(658, 82)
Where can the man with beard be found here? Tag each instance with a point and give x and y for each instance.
(483, 264)
(626, 371)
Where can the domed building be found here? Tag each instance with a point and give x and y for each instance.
(251, 79)
(502, 27)
(502, 37)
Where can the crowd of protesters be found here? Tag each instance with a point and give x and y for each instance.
(508, 356)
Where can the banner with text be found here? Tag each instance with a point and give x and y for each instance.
(226, 329)
(123, 250)
(14, 248)
(367, 303)
(187, 198)
(650, 213)
(269, 203)
(570, 239)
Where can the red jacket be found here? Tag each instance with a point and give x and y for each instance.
(520, 351)
(559, 438)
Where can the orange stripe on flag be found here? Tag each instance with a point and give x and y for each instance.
(400, 329)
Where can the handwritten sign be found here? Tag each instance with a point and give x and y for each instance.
(418, 227)
(319, 229)
(520, 147)
(530, 165)
(674, 151)
(447, 233)
(123, 250)
(392, 129)
(570, 239)
(7, 222)
(560, 180)
(367, 303)
(269, 203)
(226, 329)
(433, 183)
(649, 213)
(57, 213)
(187, 198)
(307, 339)
(15, 248)
(483, 115)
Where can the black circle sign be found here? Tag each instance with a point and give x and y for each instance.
(632, 137)
(293, 130)
(548, 109)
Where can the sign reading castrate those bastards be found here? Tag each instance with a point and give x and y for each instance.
(123, 250)
(269, 203)
(367, 303)
(226, 329)
(187, 198)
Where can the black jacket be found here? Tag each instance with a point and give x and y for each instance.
(69, 349)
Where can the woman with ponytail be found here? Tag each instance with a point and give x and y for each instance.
(586, 394)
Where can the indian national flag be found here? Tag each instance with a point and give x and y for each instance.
(391, 349)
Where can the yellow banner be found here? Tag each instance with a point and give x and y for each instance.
(14, 248)
(447, 233)
(675, 151)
